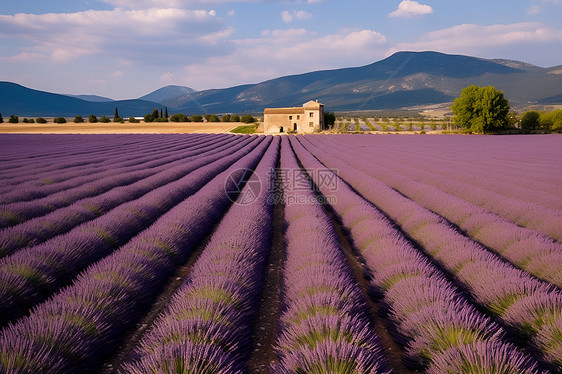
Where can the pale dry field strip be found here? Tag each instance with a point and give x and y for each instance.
(117, 128)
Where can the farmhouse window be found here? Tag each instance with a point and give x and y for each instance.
(290, 117)
(311, 114)
(310, 124)
(298, 117)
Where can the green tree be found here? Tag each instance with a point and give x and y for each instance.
(133, 120)
(92, 118)
(166, 113)
(149, 118)
(481, 109)
(196, 118)
(551, 121)
(246, 118)
(104, 119)
(78, 119)
(116, 115)
(329, 119)
(161, 115)
(40, 120)
(155, 114)
(530, 120)
(235, 118)
(59, 120)
(14, 119)
(179, 117)
(1, 118)
(225, 118)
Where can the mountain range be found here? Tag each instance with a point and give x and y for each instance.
(404, 79)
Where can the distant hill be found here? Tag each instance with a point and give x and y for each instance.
(23, 101)
(404, 79)
(93, 98)
(401, 80)
(166, 93)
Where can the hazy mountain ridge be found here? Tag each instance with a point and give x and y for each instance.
(402, 80)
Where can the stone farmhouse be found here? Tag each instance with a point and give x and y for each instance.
(306, 119)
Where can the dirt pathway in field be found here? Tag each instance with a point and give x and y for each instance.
(265, 329)
(392, 350)
(135, 335)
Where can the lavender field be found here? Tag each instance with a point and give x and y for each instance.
(221, 253)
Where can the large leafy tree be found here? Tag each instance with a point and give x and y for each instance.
(481, 109)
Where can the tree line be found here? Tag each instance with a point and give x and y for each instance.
(157, 115)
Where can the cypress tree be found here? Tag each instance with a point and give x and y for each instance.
(116, 113)
(1, 119)
(166, 112)
(155, 113)
(161, 116)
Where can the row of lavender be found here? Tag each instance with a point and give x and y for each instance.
(50, 221)
(439, 327)
(529, 307)
(84, 322)
(208, 324)
(538, 254)
(32, 274)
(55, 183)
(53, 168)
(324, 326)
(523, 204)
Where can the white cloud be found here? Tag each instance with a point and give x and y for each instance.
(231, 12)
(470, 37)
(295, 14)
(281, 52)
(534, 9)
(409, 9)
(66, 36)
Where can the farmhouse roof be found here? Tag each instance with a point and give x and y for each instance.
(294, 110)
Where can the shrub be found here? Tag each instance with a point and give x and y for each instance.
(104, 119)
(133, 120)
(235, 118)
(59, 120)
(179, 117)
(40, 120)
(246, 118)
(225, 118)
(78, 119)
(13, 119)
(162, 119)
(212, 118)
(26, 120)
(148, 118)
(530, 120)
(118, 119)
(196, 118)
(92, 118)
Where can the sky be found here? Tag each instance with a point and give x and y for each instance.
(127, 48)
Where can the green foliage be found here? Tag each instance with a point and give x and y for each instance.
(59, 120)
(196, 118)
(225, 118)
(530, 120)
(133, 120)
(246, 118)
(481, 109)
(40, 120)
(1, 118)
(166, 113)
(78, 119)
(247, 129)
(155, 114)
(118, 119)
(212, 118)
(116, 115)
(92, 118)
(104, 119)
(329, 119)
(235, 118)
(179, 117)
(30, 120)
(148, 118)
(161, 119)
(13, 119)
(552, 121)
